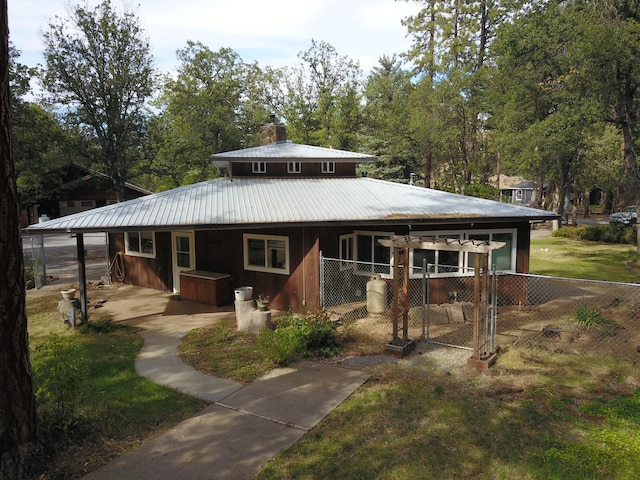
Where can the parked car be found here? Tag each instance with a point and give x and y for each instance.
(626, 216)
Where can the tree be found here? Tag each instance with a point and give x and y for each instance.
(214, 105)
(387, 121)
(17, 400)
(322, 105)
(99, 72)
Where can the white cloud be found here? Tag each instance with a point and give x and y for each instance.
(269, 32)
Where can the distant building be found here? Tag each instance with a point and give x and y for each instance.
(81, 189)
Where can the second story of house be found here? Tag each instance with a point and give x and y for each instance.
(278, 157)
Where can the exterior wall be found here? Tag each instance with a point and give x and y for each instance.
(145, 272)
(307, 169)
(222, 251)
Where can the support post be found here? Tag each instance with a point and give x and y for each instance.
(82, 276)
(396, 273)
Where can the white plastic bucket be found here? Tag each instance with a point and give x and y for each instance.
(243, 294)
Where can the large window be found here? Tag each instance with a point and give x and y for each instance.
(442, 263)
(370, 255)
(140, 244)
(438, 262)
(266, 253)
(363, 252)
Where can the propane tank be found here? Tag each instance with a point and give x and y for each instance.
(376, 295)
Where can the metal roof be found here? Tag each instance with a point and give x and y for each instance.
(254, 202)
(287, 150)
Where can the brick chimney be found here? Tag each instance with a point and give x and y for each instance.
(272, 133)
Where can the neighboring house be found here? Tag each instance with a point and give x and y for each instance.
(266, 223)
(81, 189)
(522, 193)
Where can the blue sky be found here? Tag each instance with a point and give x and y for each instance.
(271, 32)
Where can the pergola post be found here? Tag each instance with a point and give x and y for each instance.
(82, 276)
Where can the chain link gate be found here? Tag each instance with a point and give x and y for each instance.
(37, 262)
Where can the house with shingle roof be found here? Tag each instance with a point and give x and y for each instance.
(265, 223)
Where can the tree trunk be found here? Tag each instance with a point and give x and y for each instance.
(17, 402)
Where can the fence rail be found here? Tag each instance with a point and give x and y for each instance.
(537, 313)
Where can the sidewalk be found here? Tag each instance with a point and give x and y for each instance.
(245, 426)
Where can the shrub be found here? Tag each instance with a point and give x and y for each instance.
(299, 336)
(599, 233)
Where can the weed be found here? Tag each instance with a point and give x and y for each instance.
(590, 318)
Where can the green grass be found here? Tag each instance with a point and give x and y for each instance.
(109, 407)
(562, 257)
(527, 418)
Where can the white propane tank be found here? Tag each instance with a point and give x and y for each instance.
(376, 295)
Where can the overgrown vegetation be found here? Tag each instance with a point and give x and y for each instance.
(299, 336)
(224, 352)
(599, 233)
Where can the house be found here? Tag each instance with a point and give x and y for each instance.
(522, 192)
(280, 205)
(80, 189)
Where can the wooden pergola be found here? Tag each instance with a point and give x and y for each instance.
(481, 358)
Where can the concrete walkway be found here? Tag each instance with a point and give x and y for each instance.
(245, 426)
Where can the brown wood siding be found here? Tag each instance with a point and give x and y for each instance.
(307, 169)
(145, 272)
(222, 251)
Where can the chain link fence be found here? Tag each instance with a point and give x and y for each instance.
(560, 315)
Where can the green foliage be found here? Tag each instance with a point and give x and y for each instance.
(99, 72)
(59, 377)
(599, 233)
(482, 191)
(298, 336)
(590, 318)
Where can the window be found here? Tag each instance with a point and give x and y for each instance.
(293, 167)
(140, 244)
(328, 167)
(87, 203)
(346, 251)
(258, 167)
(518, 195)
(438, 262)
(372, 257)
(266, 253)
(503, 258)
(447, 263)
(71, 204)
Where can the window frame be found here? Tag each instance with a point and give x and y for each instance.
(328, 167)
(465, 267)
(139, 253)
(259, 167)
(266, 269)
(294, 167)
(347, 257)
(374, 266)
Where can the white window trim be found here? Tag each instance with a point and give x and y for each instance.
(328, 167)
(347, 261)
(245, 247)
(258, 167)
(294, 167)
(373, 264)
(464, 267)
(514, 246)
(133, 253)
